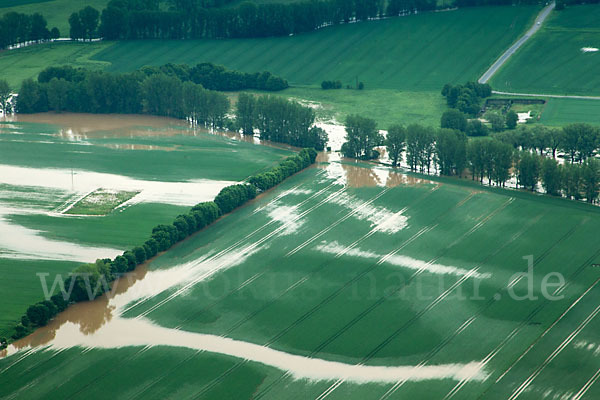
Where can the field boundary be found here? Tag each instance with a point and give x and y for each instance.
(554, 96)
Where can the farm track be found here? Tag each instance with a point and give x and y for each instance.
(554, 96)
(537, 24)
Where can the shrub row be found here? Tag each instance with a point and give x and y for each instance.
(286, 168)
(89, 281)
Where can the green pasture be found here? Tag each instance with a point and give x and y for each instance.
(552, 61)
(415, 53)
(25, 63)
(293, 296)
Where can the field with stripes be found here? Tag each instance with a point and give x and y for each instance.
(348, 281)
(50, 165)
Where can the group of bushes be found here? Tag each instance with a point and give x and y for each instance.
(326, 85)
(18, 28)
(279, 120)
(91, 280)
(466, 98)
(286, 168)
(217, 77)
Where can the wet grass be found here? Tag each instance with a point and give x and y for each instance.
(559, 112)
(399, 107)
(552, 61)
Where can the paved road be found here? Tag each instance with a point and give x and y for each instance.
(556, 96)
(506, 55)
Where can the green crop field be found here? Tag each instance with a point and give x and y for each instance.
(50, 171)
(403, 62)
(351, 264)
(564, 111)
(416, 53)
(552, 61)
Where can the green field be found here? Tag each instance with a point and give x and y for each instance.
(20, 64)
(346, 263)
(552, 61)
(417, 53)
(47, 170)
(403, 62)
(564, 111)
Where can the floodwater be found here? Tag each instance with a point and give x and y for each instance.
(20, 242)
(98, 324)
(82, 126)
(358, 175)
(399, 260)
(77, 126)
(186, 193)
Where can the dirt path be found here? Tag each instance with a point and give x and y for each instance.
(537, 24)
(556, 96)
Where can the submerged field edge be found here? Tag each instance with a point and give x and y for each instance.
(81, 280)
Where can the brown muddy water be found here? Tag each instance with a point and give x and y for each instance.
(89, 316)
(93, 325)
(83, 126)
(355, 174)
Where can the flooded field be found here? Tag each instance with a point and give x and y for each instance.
(52, 165)
(349, 280)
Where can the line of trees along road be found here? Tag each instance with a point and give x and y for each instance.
(494, 159)
(91, 280)
(279, 120)
(18, 28)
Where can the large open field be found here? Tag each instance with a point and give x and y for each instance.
(403, 62)
(47, 171)
(552, 61)
(343, 265)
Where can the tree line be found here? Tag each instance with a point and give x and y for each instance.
(527, 154)
(279, 120)
(192, 19)
(217, 77)
(79, 90)
(89, 281)
(170, 90)
(18, 28)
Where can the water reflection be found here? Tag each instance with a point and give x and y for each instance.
(356, 174)
(88, 316)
